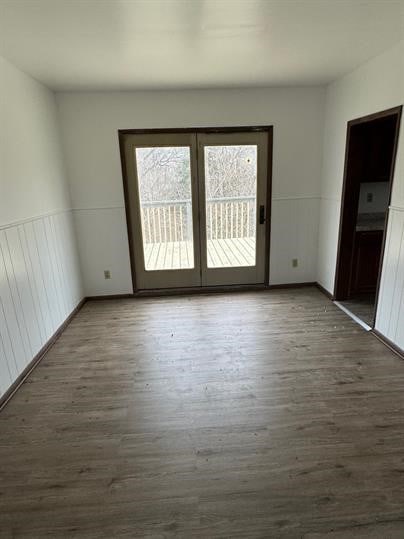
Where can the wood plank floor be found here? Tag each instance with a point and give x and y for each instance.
(363, 306)
(260, 414)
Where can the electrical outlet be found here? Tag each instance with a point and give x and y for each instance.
(107, 274)
(369, 197)
(294, 262)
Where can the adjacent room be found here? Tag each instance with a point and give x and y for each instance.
(201, 269)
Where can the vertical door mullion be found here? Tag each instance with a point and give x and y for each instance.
(202, 210)
(196, 202)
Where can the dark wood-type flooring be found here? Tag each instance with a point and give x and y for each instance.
(260, 414)
(362, 306)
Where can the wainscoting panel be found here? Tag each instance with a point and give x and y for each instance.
(294, 234)
(328, 231)
(103, 245)
(390, 312)
(40, 285)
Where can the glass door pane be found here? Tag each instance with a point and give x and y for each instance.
(231, 201)
(165, 196)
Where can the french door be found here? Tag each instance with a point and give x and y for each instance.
(196, 208)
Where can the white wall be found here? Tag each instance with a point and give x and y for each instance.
(40, 280)
(90, 122)
(375, 86)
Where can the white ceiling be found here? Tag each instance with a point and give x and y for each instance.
(137, 44)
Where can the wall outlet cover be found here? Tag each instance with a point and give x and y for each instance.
(107, 274)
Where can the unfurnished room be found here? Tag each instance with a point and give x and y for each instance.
(201, 269)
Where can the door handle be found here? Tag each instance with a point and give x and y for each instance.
(262, 215)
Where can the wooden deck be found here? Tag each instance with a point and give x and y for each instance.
(222, 253)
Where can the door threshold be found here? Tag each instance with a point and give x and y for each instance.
(199, 290)
(356, 319)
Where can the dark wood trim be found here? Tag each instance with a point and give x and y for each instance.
(157, 292)
(325, 291)
(237, 129)
(109, 296)
(37, 358)
(269, 204)
(341, 212)
(387, 342)
(173, 130)
(288, 286)
(125, 181)
(376, 115)
(220, 289)
(393, 167)
(341, 279)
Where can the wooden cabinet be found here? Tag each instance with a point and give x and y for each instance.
(366, 260)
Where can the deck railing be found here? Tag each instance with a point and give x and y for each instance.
(172, 220)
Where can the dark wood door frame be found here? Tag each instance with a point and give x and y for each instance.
(350, 199)
(236, 129)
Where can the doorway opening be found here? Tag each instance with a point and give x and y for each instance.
(370, 155)
(197, 206)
